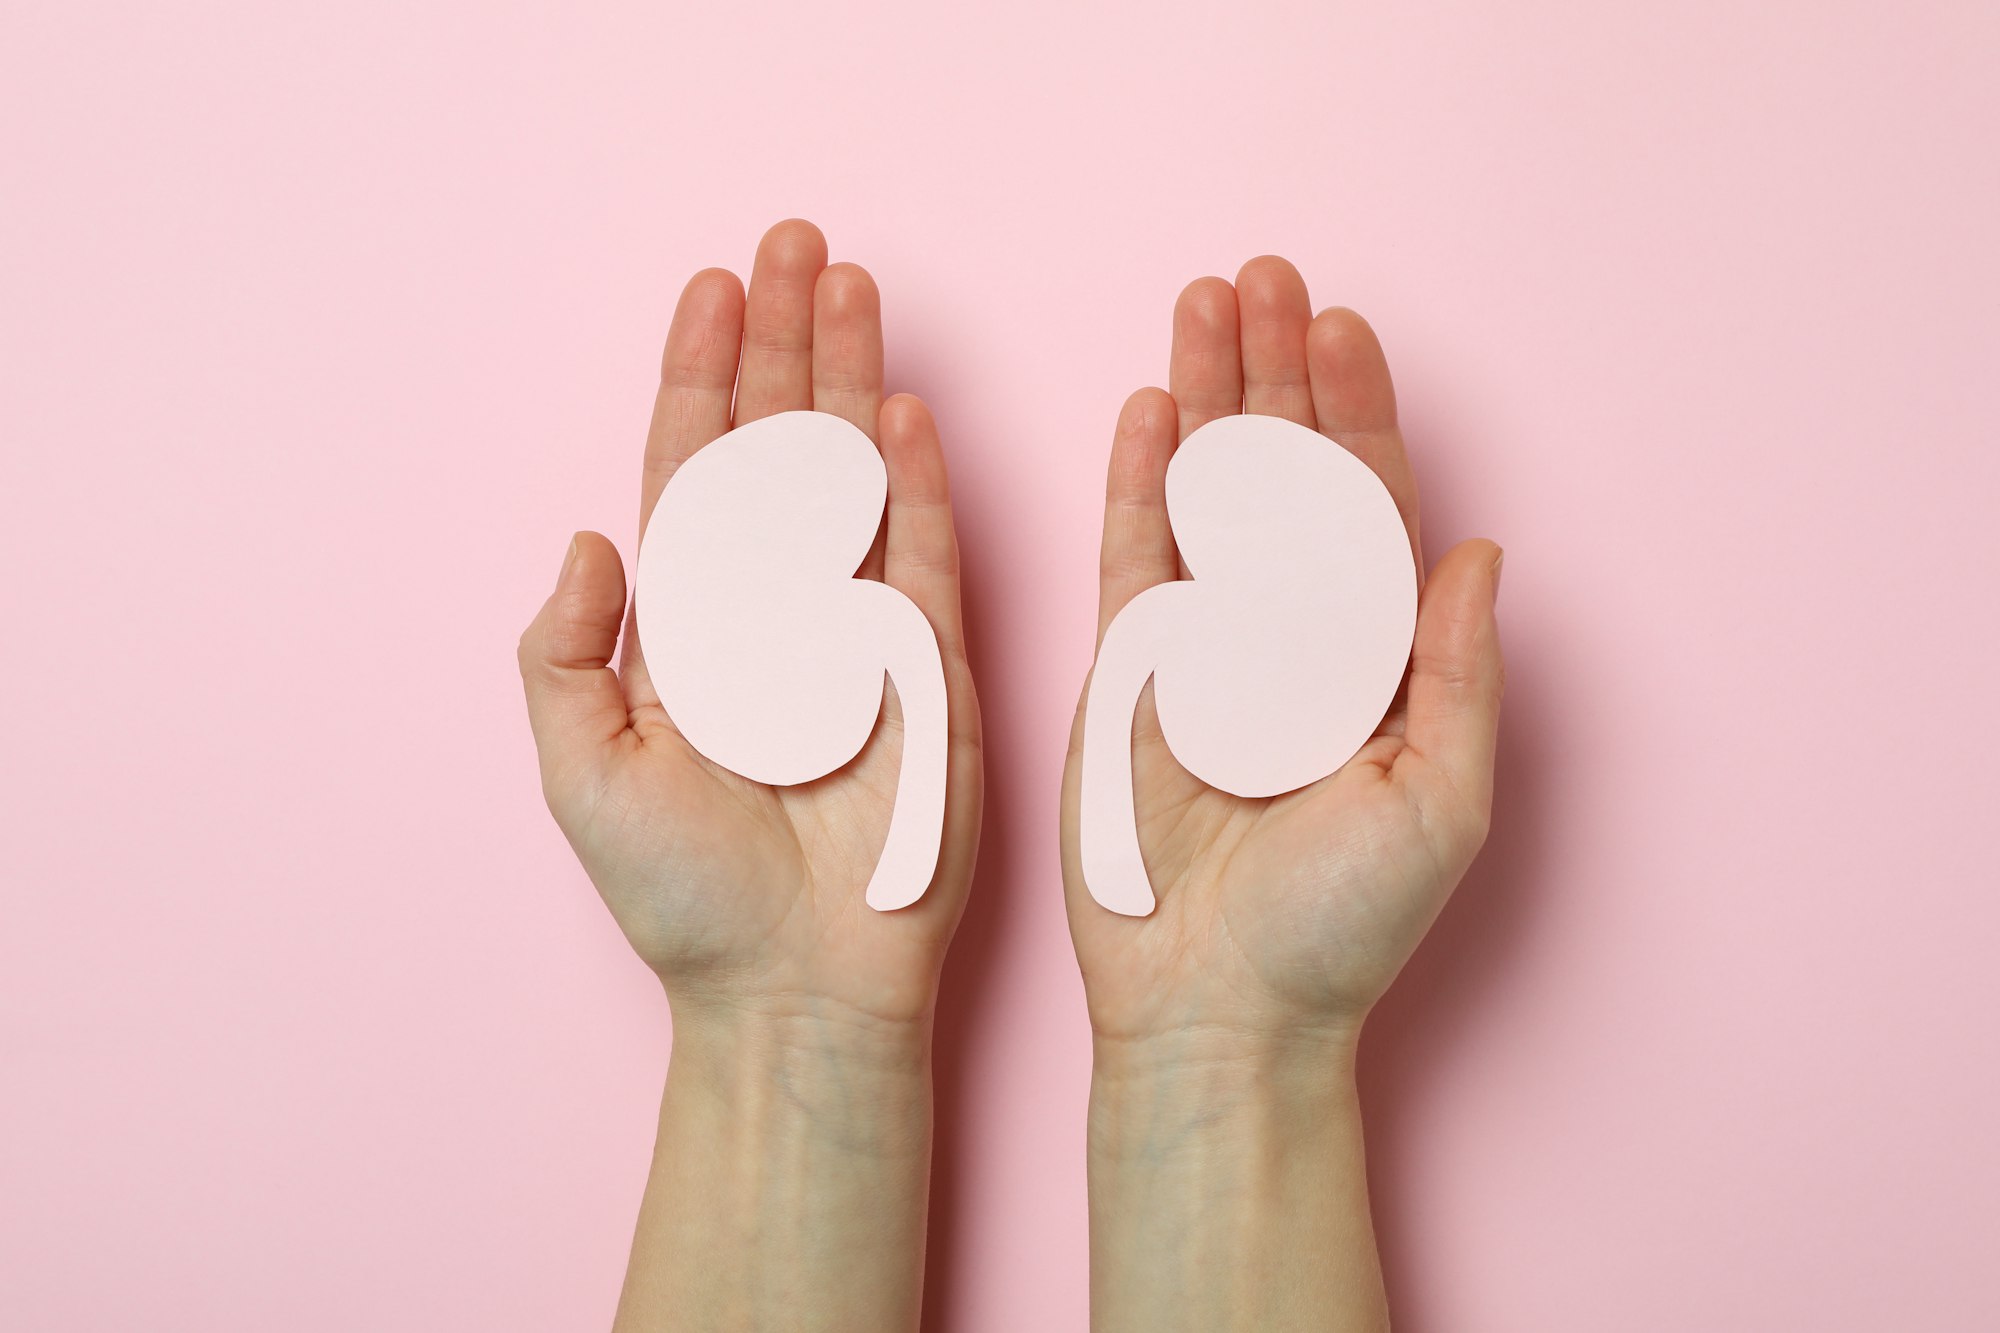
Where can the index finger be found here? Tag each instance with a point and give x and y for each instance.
(1138, 549)
(697, 379)
(1355, 401)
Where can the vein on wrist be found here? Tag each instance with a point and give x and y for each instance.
(808, 1078)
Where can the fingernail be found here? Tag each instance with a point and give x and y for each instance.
(569, 562)
(1499, 559)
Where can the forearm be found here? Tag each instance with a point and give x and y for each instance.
(789, 1181)
(1228, 1188)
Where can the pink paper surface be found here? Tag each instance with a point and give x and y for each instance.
(323, 327)
(768, 653)
(1276, 659)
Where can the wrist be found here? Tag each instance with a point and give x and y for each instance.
(1219, 1092)
(805, 1071)
(793, 1156)
(1228, 1185)
(1295, 1053)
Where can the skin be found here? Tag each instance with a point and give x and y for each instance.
(1227, 1181)
(1226, 1167)
(789, 1183)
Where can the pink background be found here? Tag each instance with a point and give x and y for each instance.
(323, 326)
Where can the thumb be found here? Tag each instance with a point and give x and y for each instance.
(1456, 680)
(575, 703)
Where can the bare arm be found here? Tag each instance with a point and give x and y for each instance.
(790, 1180)
(1227, 1183)
(788, 1184)
(1228, 1188)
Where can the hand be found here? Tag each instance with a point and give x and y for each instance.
(1291, 915)
(1228, 1181)
(747, 899)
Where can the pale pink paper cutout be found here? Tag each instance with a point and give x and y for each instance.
(768, 654)
(1273, 663)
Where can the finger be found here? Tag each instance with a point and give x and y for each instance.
(697, 373)
(1205, 369)
(1456, 681)
(1138, 549)
(1274, 314)
(847, 346)
(921, 555)
(1355, 402)
(697, 380)
(575, 703)
(847, 362)
(921, 562)
(778, 322)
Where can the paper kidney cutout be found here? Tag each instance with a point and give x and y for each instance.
(1274, 663)
(768, 654)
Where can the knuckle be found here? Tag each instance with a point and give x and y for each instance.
(1125, 566)
(1135, 478)
(940, 560)
(786, 330)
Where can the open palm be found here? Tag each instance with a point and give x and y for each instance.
(725, 885)
(1297, 909)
